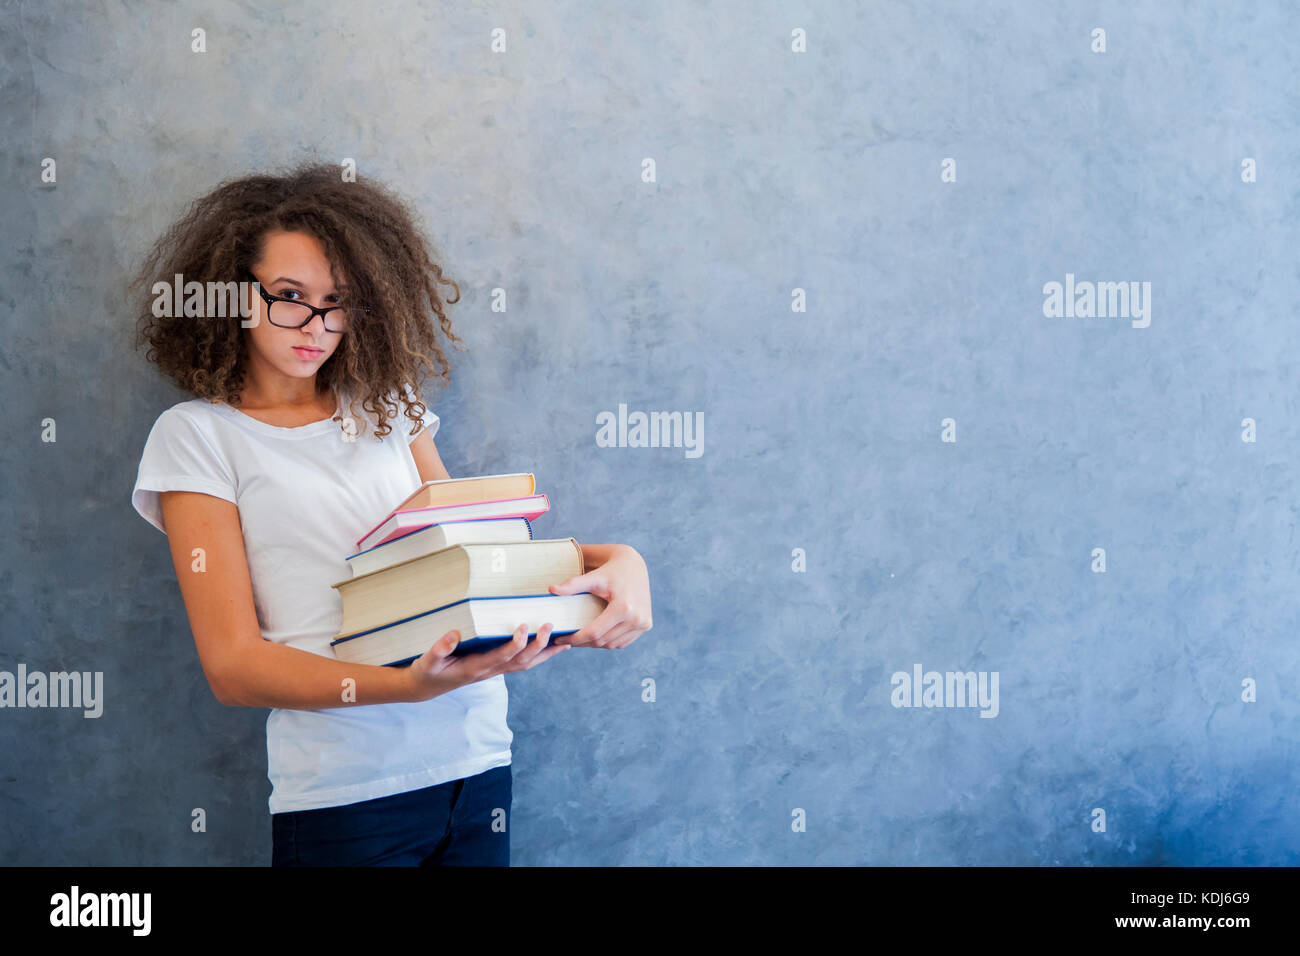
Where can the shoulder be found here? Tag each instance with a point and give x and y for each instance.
(197, 414)
(192, 427)
(183, 453)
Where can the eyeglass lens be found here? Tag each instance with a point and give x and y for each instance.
(295, 314)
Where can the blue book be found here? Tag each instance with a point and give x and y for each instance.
(483, 623)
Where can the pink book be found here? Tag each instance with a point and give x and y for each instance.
(401, 523)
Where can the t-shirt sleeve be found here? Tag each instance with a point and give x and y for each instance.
(178, 456)
(430, 420)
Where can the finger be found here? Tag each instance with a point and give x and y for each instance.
(437, 655)
(623, 640)
(534, 647)
(520, 650)
(493, 662)
(595, 582)
(607, 618)
(614, 636)
(546, 655)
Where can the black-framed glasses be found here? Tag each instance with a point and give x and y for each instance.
(292, 314)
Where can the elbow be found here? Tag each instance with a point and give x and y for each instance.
(225, 690)
(223, 695)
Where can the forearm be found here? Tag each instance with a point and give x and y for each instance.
(594, 555)
(275, 675)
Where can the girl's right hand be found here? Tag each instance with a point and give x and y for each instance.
(437, 672)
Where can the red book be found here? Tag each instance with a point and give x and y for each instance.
(405, 521)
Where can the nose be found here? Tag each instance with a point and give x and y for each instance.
(315, 328)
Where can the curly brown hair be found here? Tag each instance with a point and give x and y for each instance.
(373, 244)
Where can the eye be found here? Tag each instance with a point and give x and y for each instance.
(288, 292)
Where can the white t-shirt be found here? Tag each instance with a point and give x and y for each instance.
(305, 496)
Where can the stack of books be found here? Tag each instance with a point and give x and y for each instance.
(458, 554)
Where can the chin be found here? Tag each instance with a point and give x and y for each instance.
(301, 370)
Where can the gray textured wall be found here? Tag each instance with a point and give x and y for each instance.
(776, 170)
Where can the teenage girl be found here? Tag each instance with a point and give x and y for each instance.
(304, 431)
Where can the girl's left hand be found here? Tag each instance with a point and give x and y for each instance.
(624, 582)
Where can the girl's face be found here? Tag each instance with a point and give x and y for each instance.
(293, 266)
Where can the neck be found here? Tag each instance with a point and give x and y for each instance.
(274, 390)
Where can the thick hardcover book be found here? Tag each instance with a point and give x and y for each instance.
(462, 491)
(483, 623)
(436, 537)
(428, 582)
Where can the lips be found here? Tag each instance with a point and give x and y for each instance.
(307, 351)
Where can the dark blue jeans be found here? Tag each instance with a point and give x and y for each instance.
(458, 823)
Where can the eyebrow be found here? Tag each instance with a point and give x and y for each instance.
(340, 288)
